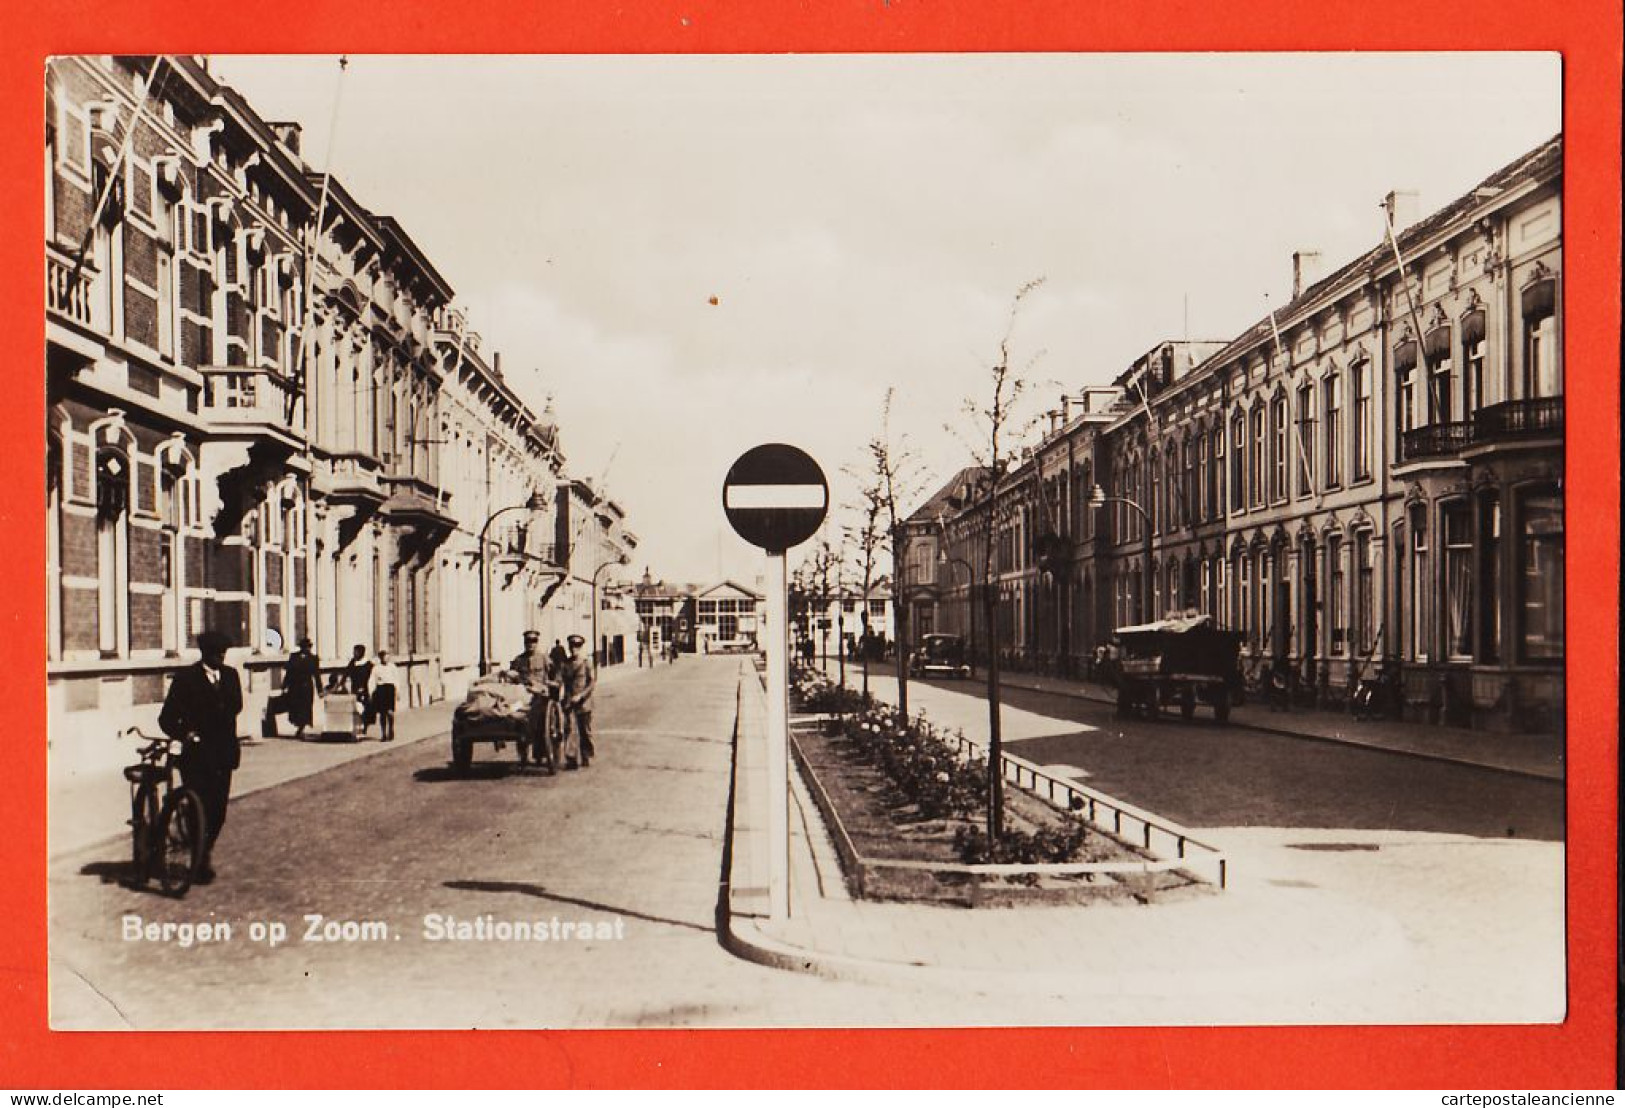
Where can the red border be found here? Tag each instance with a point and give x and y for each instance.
(1579, 1053)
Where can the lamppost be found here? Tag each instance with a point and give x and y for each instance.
(944, 558)
(619, 560)
(536, 503)
(1099, 499)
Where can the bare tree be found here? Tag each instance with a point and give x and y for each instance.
(866, 535)
(897, 479)
(821, 560)
(997, 429)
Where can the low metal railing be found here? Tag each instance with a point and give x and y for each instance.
(1127, 823)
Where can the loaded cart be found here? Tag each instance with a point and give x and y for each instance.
(1182, 661)
(500, 709)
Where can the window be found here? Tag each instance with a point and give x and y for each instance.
(1255, 462)
(1244, 595)
(1542, 361)
(1278, 448)
(1333, 389)
(1306, 439)
(1336, 618)
(1405, 397)
(1238, 450)
(1421, 594)
(1216, 472)
(1158, 514)
(1365, 631)
(1489, 576)
(1475, 384)
(1541, 587)
(1441, 378)
(1200, 501)
(1360, 378)
(1458, 582)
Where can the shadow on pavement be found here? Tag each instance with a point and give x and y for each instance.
(123, 875)
(479, 771)
(526, 889)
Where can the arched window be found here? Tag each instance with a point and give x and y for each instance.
(112, 551)
(1278, 448)
(1542, 360)
(1332, 390)
(1478, 389)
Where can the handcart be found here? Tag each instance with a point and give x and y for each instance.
(1178, 661)
(500, 709)
(343, 715)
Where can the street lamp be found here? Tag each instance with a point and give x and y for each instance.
(619, 560)
(945, 559)
(1099, 499)
(536, 503)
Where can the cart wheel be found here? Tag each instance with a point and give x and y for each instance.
(555, 735)
(462, 753)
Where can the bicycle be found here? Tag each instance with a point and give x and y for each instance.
(167, 826)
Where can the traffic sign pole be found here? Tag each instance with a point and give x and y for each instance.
(775, 496)
(778, 740)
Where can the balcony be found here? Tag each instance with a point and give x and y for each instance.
(1437, 440)
(1536, 417)
(354, 480)
(72, 294)
(240, 402)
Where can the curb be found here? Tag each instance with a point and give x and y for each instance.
(1307, 736)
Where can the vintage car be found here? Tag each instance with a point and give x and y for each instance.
(1184, 661)
(940, 656)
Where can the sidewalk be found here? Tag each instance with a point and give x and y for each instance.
(1526, 755)
(1301, 934)
(89, 800)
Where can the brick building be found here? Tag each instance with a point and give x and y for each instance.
(1375, 471)
(222, 453)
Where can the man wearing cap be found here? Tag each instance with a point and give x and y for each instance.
(579, 682)
(530, 665)
(200, 710)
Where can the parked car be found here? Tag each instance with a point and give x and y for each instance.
(940, 656)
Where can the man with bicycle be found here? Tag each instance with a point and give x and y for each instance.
(200, 710)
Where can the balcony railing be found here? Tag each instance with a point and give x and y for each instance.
(239, 394)
(69, 293)
(1534, 417)
(1437, 440)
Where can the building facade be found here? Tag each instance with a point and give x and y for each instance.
(1374, 472)
(264, 416)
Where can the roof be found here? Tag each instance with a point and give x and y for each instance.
(1543, 160)
(938, 504)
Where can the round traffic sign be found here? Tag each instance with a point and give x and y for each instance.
(775, 496)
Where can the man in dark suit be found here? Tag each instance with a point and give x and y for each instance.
(201, 711)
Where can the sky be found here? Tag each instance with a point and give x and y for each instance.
(691, 255)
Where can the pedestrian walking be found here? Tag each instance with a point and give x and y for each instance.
(381, 704)
(579, 681)
(301, 676)
(200, 711)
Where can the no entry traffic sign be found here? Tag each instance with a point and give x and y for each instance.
(775, 496)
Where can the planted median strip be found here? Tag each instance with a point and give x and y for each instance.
(904, 803)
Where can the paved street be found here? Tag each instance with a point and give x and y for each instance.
(1388, 889)
(634, 841)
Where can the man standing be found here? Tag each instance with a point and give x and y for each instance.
(579, 682)
(381, 704)
(200, 711)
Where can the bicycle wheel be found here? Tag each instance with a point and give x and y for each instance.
(143, 830)
(179, 843)
(555, 735)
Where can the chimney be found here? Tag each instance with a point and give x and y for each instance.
(1305, 270)
(288, 135)
(1066, 409)
(496, 364)
(1403, 207)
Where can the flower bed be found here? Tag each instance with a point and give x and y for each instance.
(906, 810)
